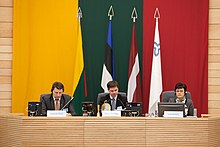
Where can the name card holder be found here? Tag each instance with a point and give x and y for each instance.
(173, 114)
(56, 113)
(111, 113)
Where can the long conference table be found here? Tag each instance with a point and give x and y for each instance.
(26, 131)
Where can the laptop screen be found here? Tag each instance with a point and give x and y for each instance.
(34, 108)
(135, 108)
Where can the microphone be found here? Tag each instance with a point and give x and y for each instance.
(122, 103)
(67, 103)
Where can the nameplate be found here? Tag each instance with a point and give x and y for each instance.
(111, 113)
(56, 113)
(173, 114)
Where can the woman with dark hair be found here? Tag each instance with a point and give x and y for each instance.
(180, 92)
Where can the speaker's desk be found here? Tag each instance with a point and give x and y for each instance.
(111, 132)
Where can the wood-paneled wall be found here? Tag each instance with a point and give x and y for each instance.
(6, 22)
(214, 57)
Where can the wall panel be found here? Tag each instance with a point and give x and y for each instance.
(213, 66)
(5, 30)
(214, 31)
(214, 4)
(214, 73)
(214, 89)
(214, 16)
(214, 57)
(214, 96)
(5, 41)
(7, 15)
(5, 87)
(5, 79)
(5, 64)
(6, 19)
(6, 2)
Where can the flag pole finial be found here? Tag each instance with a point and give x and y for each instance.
(134, 15)
(79, 13)
(157, 13)
(110, 12)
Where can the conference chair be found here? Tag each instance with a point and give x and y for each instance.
(105, 93)
(42, 95)
(166, 95)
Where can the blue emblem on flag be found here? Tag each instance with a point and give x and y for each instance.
(156, 49)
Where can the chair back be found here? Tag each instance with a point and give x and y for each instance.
(105, 93)
(166, 95)
(42, 95)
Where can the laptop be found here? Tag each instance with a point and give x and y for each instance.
(133, 109)
(34, 109)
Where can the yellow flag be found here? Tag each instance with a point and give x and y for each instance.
(45, 49)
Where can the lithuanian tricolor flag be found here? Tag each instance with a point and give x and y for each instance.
(47, 47)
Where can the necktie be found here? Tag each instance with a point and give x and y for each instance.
(57, 106)
(113, 104)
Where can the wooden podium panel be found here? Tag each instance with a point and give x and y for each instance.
(10, 130)
(114, 132)
(23, 131)
(214, 131)
(44, 131)
(177, 132)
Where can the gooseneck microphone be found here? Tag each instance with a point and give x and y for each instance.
(68, 102)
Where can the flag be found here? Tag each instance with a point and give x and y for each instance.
(81, 88)
(134, 86)
(156, 76)
(108, 66)
(44, 41)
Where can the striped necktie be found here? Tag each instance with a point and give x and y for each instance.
(113, 104)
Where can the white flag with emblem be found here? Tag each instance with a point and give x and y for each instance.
(156, 76)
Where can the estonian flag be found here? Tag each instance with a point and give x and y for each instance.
(108, 66)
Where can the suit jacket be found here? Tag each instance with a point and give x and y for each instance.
(121, 101)
(48, 103)
(188, 103)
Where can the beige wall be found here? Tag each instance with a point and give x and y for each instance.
(6, 13)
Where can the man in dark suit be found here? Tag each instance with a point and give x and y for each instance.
(114, 99)
(180, 92)
(57, 100)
